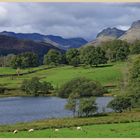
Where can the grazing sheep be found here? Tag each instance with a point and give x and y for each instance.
(79, 128)
(56, 130)
(15, 131)
(30, 130)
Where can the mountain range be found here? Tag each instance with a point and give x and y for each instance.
(12, 45)
(16, 43)
(58, 41)
(108, 34)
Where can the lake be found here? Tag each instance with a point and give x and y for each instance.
(25, 109)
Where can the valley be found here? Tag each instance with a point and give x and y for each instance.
(70, 74)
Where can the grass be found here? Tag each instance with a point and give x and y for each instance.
(109, 75)
(126, 130)
(9, 70)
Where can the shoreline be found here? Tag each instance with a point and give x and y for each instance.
(107, 118)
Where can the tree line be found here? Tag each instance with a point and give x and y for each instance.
(116, 50)
(131, 97)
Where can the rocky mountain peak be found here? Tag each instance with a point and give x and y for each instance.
(114, 32)
(136, 24)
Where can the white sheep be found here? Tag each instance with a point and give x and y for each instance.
(15, 131)
(30, 130)
(79, 128)
(56, 130)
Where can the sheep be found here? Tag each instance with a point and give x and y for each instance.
(56, 130)
(15, 131)
(30, 130)
(79, 128)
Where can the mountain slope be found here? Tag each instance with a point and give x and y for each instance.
(13, 45)
(105, 35)
(57, 41)
(133, 32)
(110, 32)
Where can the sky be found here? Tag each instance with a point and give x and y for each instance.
(67, 19)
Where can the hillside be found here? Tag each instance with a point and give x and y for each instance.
(109, 34)
(133, 33)
(58, 41)
(13, 45)
(105, 35)
(107, 75)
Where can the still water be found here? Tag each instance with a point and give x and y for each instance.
(24, 109)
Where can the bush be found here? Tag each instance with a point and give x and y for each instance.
(35, 87)
(81, 86)
(135, 48)
(120, 103)
(87, 106)
(2, 89)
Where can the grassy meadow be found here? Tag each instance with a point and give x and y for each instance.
(106, 75)
(127, 130)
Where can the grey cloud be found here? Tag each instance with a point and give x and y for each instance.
(67, 19)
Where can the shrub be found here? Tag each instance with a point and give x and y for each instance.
(87, 106)
(81, 86)
(120, 103)
(35, 87)
(2, 89)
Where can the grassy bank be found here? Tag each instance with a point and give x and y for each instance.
(126, 130)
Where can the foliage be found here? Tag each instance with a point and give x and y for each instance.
(87, 106)
(91, 55)
(81, 86)
(53, 57)
(35, 87)
(134, 81)
(116, 50)
(72, 56)
(120, 103)
(5, 61)
(2, 89)
(135, 70)
(25, 60)
(135, 47)
(72, 103)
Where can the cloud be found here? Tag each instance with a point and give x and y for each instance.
(67, 19)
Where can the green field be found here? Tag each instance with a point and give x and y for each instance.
(9, 70)
(107, 75)
(127, 130)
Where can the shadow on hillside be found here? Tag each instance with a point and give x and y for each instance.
(99, 66)
(103, 66)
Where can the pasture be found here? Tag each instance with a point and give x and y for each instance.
(126, 130)
(106, 75)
